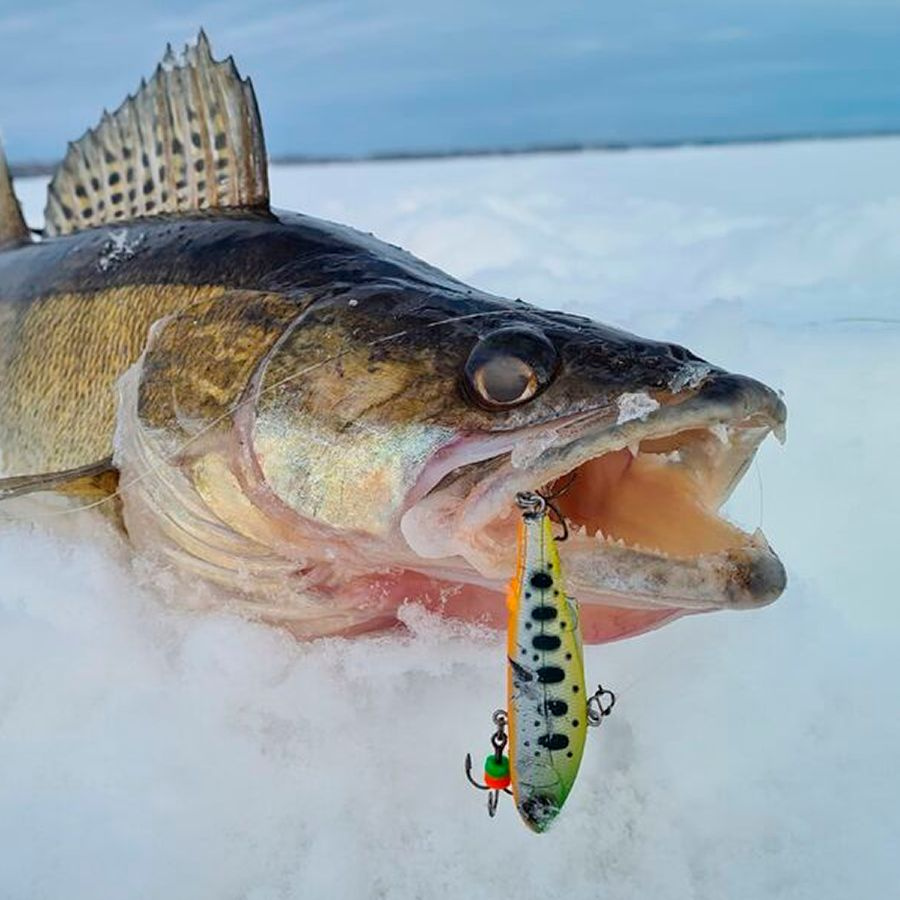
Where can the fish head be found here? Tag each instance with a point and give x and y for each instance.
(404, 423)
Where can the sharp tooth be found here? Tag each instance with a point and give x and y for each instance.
(780, 432)
(634, 448)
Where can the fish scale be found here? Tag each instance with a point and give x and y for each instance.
(547, 706)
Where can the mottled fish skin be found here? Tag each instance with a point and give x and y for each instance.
(291, 410)
(70, 327)
(70, 324)
(547, 701)
(294, 318)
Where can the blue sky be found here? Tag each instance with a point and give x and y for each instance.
(359, 76)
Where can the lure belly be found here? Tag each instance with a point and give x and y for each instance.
(546, 697)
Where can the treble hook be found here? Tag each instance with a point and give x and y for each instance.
(496, 766)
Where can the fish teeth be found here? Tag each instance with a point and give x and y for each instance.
(634, 448)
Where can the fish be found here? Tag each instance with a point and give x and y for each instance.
(313, 428)
(547, 712)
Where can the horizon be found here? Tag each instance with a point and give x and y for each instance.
(348, 79)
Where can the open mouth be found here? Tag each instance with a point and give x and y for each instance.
(641, 498)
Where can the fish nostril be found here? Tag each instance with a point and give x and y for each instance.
(682, 354)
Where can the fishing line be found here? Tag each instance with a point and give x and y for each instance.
(759, 482)
(659, 665)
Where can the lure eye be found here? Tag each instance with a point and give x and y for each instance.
(509, 367)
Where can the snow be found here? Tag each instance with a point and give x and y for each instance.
(636, 405)
(151, 753)
(528, 449)
(118, 248)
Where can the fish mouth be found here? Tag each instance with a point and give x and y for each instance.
(641, 483)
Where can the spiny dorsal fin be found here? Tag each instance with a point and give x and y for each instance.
(190, 139)
(13, 229)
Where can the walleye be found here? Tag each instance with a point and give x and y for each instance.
(323, 426)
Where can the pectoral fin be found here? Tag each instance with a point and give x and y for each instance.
(92, 482)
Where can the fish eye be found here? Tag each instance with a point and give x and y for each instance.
(510, 366)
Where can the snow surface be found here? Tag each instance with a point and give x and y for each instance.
(147, 753)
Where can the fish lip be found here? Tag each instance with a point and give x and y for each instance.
(742, 577)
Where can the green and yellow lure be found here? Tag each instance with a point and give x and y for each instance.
(548, 710)
(547, 703)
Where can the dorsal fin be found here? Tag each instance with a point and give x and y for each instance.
(13, 229)
(190, 139)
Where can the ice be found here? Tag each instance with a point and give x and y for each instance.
(118, 247)
(636, 405)
(527, 450)
(147, 753)
(690, 375)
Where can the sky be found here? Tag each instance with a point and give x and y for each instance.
(356, 77)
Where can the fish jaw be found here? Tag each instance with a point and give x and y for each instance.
(453, 549)
(649, 479)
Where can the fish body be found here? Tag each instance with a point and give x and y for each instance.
(323, 427)
(546, 696)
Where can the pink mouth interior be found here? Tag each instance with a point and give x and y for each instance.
(652, 499)
(661, 496)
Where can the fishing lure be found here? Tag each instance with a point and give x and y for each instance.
(548, 712)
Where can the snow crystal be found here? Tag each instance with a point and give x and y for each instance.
(751, 755)
(528, 449)
(118, 247)
(690, 375)
(638, 405)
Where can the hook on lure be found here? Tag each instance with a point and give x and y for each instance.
(535, 504)
(497, 776)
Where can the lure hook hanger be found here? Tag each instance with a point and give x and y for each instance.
(496, 766)
(536, 503)
(599, 706)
